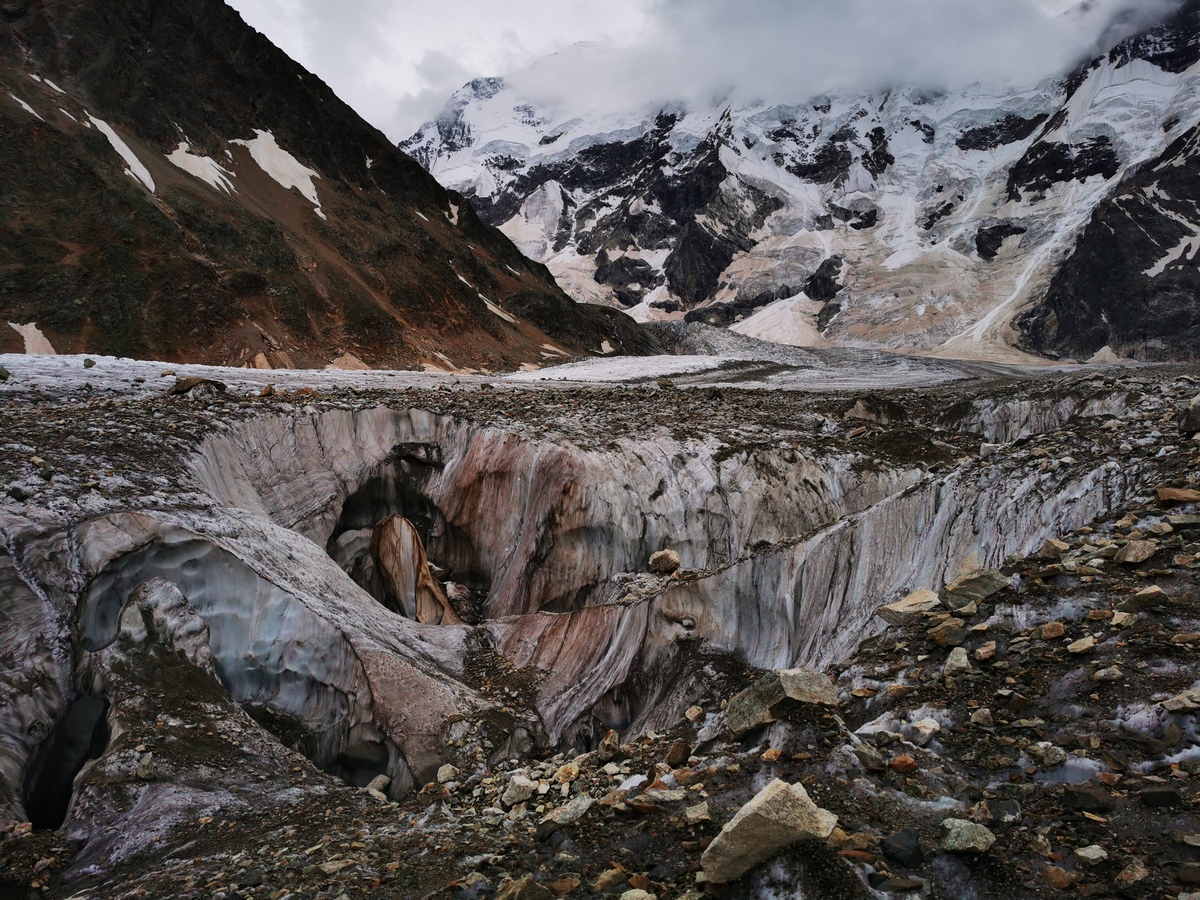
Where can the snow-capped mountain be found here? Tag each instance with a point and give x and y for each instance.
(1060, 219)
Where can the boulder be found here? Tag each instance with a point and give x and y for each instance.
(904, 848)
(778, 816)
(664, 562)
(1136, 552)
(910, 608)
(1169, 496)
(974, 586)
(519, 790)
(963, 836)
(752, 707)
(1189, 417)
(957, 663)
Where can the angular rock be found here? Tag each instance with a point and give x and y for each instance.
(778, 816)
(1089, 799)
(904, 848)
(188, 385)
(910, 608)
(519, 790)
(1136, 552)
(950, 633)
(924, 731)
(963, 836)
(974, 586)
(752, 707)
(1133, 873)
(525, 889)
(1092, 855)
(1052, 631)
(1161, 796)
(957, 663)
(1167, 496)
(664, 562)
(1188, 701)
(1083, 645)
(379, 783)
(1189, 417)
(447, 773)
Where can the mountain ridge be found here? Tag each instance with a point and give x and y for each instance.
(932, 222)
(267, 224)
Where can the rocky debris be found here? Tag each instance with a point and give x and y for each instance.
(665, 562)
(910, 609)
(779, 815)
(957, 663)
(754, 706)
(1135, 552)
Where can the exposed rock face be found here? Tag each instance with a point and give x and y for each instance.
(779, 815)
(904, 220)
(398, 554)
(177, 188)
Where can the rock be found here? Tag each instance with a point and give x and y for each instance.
(1189, 417)
(1135, 552)
(679, 754)
(565, 815)
(962, 836)
(923, 732)
(1093, 854)
(1086, 798)
(525, 889)
(89, 363)
(910, 608)
(986, 450)
(1058, 877)
(610, 746)
(976, 586)
(188, 385)
(1167, 496)
(871, 759)
(638, 894)
(693, 713)
(379, 783)
(982, 717)
(1052, 631)
(1083, 645)
(1112, 673)
(566, 773)
(664, 562)
(904, 764)
(950, 633)
(1133, 873)
(904, 848)
(609, 879)
(519, 790)
(1188, 701)
(957, 663)
(447, 773)
(4, 374)
(752, 707)
(697, 814)
(1161, 796)
(985, 652)
(778, 816)
(1052, 550)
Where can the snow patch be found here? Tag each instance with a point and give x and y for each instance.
(202, 167)
(25, 106)
(136, 169)
(36, 343)
(53, 86)
(287, 171)
(453, 214)
(496, 310)
(792, 320)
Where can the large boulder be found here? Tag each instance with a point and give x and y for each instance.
(753, 706)
(778, 816)
(1189, 417)
(973, 587)
(910, 608)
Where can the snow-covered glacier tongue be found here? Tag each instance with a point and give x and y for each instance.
(980, 222)
(234, 603)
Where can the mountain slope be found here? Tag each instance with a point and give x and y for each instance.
(176, 187)
(946, 223)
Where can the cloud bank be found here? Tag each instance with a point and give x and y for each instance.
(785, 51)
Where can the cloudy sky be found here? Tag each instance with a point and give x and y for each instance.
(397, 61)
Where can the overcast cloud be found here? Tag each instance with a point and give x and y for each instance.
(398, 61)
